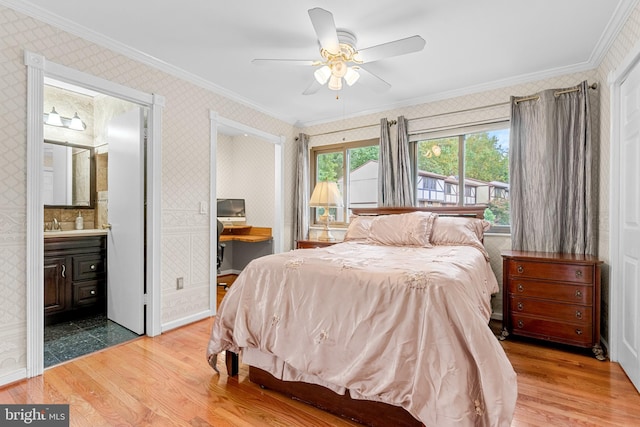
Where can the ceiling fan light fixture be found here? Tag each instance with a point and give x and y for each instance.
(351, 76)
(335, 83)
(322, 74)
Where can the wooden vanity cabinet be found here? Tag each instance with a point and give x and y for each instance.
(75, 276)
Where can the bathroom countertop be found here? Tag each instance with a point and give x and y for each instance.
(75, 233)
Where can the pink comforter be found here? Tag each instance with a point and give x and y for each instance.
(402, 325)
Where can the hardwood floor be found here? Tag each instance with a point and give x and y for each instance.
(166, 381)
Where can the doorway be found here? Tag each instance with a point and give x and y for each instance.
(222, 126)
(39, 68)
(92, 302)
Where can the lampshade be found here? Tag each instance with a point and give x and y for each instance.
(53, 118)
(326, 194)
(322, 74)
(76, 123)
(335, 83)
(351, 76)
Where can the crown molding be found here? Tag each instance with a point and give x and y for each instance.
(85, 33)
(611, 31)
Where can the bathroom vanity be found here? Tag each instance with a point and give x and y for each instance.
(75, 274)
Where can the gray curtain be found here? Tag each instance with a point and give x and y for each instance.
(301, 190)
(553, 173)
(395, 187)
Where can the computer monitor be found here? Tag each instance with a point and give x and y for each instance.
(231, 211)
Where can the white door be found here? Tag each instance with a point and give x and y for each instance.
(125, 245)
(629, 220)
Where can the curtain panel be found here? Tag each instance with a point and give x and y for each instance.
(395, 186)
(301, 191)
(553, 172)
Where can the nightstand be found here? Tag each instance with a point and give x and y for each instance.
(552, 297)
(310, 244)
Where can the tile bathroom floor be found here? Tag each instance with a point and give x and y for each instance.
(68, 340)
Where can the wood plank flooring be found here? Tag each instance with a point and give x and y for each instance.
(166, 381)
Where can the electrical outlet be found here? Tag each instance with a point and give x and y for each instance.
(180, 283)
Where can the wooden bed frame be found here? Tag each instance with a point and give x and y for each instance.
(363, 411)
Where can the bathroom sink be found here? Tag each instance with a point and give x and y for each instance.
(72, 233)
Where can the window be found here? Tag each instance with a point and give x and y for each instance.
(483, 166)
(359, 187)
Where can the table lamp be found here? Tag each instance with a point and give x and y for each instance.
(326, 195)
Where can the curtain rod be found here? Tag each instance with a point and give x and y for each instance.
(466, 110)
(393, 122)
(558, 93)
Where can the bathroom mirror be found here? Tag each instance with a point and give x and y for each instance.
(68, 175)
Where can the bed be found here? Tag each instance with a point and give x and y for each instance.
(389, 327)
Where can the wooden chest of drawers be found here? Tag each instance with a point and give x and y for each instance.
(553, 297)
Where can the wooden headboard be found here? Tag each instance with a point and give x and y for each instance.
(476, 211)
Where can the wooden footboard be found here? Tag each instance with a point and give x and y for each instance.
(363, 411)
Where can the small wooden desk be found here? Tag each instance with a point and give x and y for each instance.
(245, 233)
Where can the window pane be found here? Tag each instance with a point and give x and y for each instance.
(487, 173)
(329, 167)
(363, 177)
(437, 172)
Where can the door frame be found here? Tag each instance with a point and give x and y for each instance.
(37, 68)
(615, 79)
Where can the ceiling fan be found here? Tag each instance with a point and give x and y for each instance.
(341, 60)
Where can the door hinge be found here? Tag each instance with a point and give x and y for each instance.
(145, 299)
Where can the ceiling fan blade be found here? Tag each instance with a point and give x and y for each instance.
(306, 62)
(325, 27)
(313, 88)
(370, 79)
(395, 48)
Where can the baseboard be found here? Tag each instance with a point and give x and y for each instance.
(186, 320)
(14, 376)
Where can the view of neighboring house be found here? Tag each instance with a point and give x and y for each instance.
(432, 189)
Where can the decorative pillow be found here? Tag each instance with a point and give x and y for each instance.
(454, 231)
(358, 229)
(410, 229)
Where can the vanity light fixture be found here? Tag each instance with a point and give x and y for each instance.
(54, 119)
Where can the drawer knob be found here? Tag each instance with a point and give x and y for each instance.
(520, 287)
(578, 293)
(520, 306)
(578, 314)
(93, 292)
(578, 274)
(579, 331)
(520, 269)
(92, 267)
(520, 324)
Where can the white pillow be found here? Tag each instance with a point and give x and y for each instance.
(358, 229)
(409, 229)
(459, 231)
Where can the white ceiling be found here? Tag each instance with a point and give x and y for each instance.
(471, 45)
